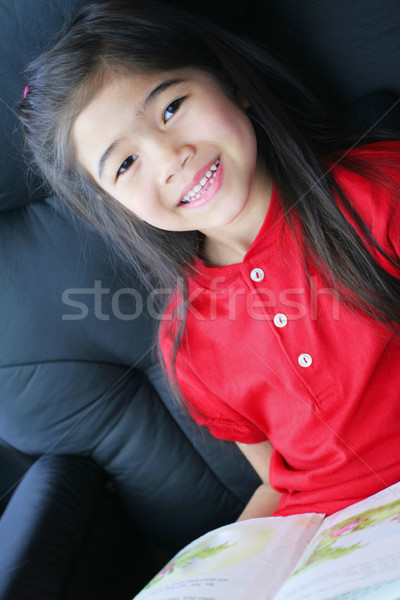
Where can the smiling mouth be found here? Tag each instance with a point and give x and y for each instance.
(204, 184)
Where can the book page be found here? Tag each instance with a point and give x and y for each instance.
(244, 560)
(355, 554)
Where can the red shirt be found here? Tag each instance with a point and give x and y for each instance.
(266, 357)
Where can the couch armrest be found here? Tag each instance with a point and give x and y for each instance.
(44, 525)
(13, 466)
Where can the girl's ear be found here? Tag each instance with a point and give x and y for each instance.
(244, 103)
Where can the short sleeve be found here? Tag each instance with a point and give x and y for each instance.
(204, 406)
(208, 410)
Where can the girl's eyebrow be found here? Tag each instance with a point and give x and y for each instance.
(161, 87)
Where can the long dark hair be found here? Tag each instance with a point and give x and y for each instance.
(294, 141)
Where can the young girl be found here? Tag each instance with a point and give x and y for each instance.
(274, 244)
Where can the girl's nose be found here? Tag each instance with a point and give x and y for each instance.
(172, 161)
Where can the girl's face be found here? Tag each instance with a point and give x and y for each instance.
(173, 148)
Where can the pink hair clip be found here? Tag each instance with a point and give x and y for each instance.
(26, 90)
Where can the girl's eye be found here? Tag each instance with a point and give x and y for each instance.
(128, 162)
(172, 108)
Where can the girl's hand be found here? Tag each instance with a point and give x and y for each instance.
(263, 503)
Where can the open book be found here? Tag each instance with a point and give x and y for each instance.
(350, 555)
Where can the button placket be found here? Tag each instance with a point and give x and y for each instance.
(280, 320)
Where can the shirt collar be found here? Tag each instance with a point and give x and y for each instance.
(266, 237)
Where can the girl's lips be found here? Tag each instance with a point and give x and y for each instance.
(209, 189)
(196, 179)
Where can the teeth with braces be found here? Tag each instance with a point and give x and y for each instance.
(198, 191)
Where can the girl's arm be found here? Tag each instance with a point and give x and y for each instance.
(265, 499)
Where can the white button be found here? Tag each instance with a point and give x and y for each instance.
(305, 360)
(280, 320)
(257, 274)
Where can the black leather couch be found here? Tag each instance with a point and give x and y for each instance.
(102, 476)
